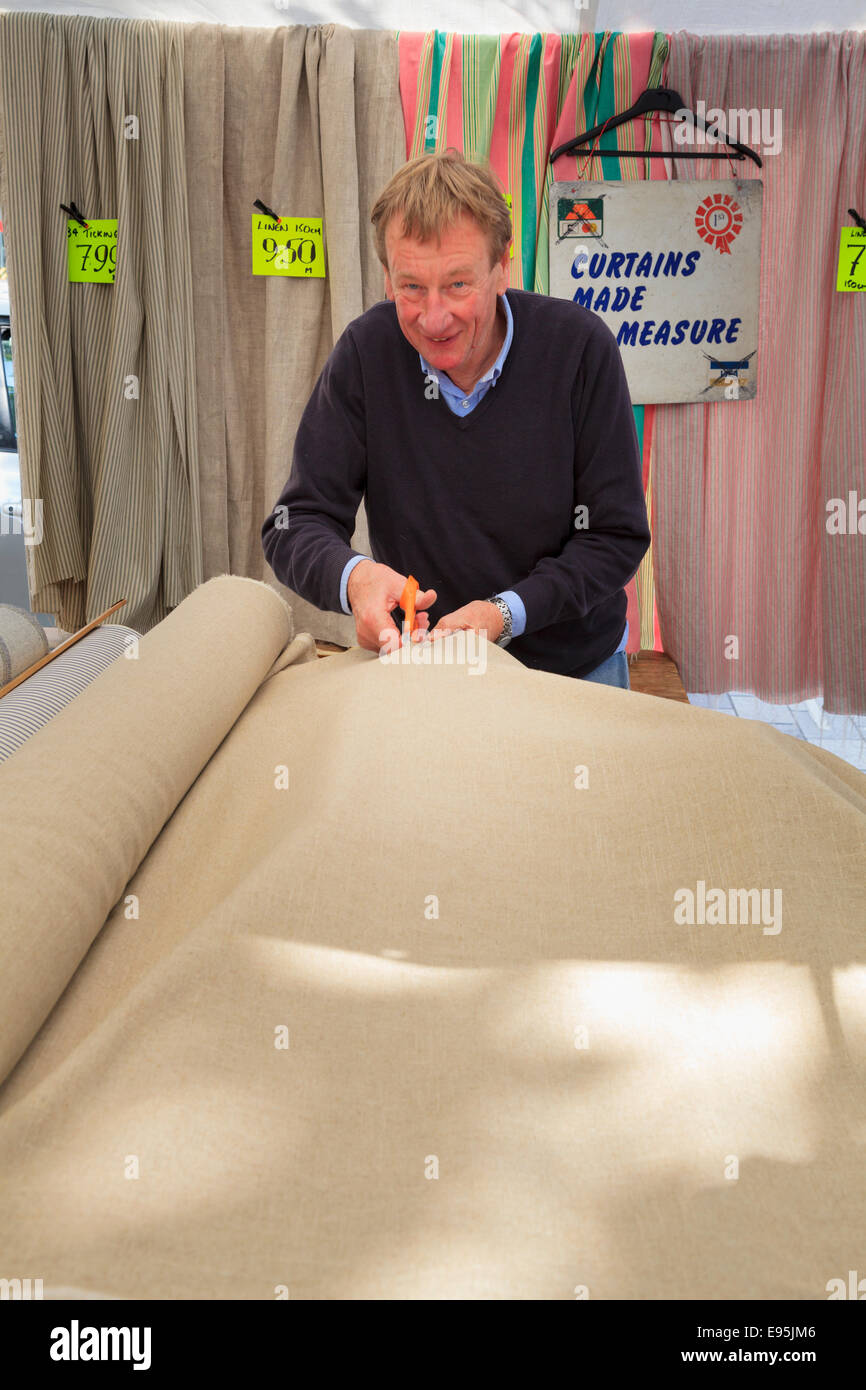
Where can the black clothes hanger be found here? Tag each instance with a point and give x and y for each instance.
(666, 100)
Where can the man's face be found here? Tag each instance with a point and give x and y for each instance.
(446, 295)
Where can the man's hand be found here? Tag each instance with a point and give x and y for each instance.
(374, 591)
(479, 615)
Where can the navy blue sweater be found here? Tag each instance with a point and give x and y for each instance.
(476, 505)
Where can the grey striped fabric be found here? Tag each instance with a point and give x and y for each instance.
(32, 703)
(22, 641)
(117, 474)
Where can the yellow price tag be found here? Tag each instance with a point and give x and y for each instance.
(511, 248)
(92, 250)
(292, 246)
(851, 274)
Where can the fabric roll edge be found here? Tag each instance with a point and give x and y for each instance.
(84, 798)
(22, 641)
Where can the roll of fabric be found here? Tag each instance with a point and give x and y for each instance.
(88, 794)
(22, 641)
(399, 1004)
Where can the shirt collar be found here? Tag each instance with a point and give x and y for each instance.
(496, 369)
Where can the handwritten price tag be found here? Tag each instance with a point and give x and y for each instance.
(92, 251)
(511, 249)
(293, 246)
(851, 274)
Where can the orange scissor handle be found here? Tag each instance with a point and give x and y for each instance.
(407, 601)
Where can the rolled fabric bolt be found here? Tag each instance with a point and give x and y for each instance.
(407, 602)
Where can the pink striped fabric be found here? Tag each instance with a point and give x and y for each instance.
(741, 491)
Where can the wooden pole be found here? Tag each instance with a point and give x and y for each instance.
(49, 656)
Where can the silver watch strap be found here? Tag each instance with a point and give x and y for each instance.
(505, 636)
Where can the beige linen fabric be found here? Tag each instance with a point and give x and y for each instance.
(508, 1072)
(86, 796)
(307, 119)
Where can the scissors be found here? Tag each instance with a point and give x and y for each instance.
(407, 602)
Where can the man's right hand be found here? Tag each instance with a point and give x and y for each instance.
(374, 591)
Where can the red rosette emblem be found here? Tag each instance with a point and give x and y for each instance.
(718, 220)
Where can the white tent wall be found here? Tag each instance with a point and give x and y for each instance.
(494, 16)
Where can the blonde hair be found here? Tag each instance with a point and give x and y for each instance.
(431, 192)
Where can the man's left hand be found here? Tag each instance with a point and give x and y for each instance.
(478, 615)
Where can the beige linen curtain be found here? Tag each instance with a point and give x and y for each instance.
(309, 121)
(143, 498)
(114, 472)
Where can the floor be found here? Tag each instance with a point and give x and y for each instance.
(842, 734)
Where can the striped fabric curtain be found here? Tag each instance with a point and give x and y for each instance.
(144, 497)
(741, 492)
(510, 100)
(105, 373)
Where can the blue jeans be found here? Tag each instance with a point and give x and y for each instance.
(614, 671)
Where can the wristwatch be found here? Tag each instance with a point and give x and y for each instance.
(505, 636)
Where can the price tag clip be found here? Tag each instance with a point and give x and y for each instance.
(72, 211)
(263, 207)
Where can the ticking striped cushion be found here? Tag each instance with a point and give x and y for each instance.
(42, 695)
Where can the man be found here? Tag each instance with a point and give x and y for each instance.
(490, 432)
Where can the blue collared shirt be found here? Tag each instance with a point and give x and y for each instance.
(461, 403)
(458, 401)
